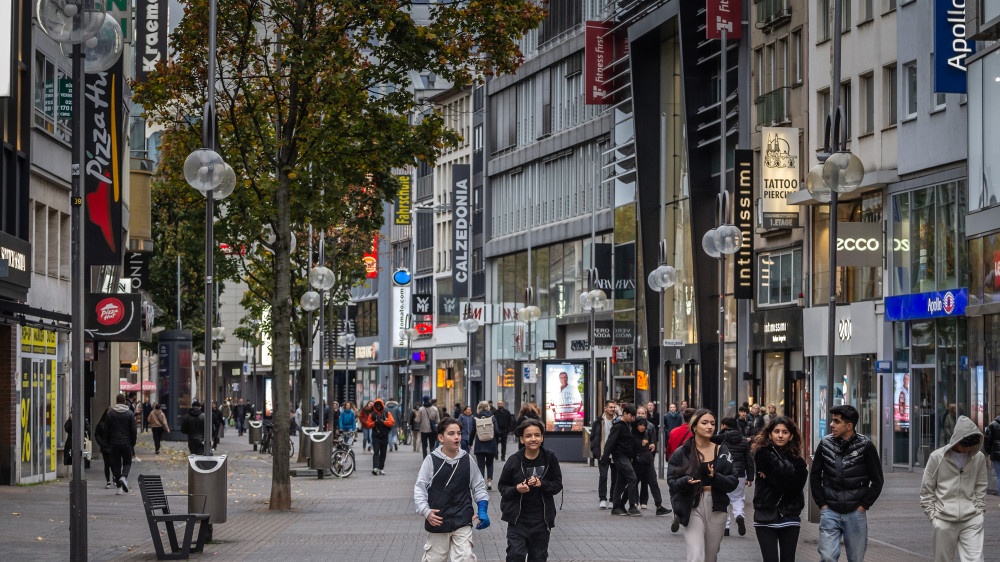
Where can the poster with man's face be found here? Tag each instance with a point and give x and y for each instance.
(564, 395)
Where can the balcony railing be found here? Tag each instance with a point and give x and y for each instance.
(772, 108)
(771, 13)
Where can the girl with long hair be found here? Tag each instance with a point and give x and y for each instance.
(778, 501)
(366, 434)
(701, 476)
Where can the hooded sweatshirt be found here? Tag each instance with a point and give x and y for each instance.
(436, 476)
(380, 421)
(121, 426)
(953, 488)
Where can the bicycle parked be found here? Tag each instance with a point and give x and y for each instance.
(266, 445)
(342, 461)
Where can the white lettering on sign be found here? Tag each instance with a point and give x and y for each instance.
(844, 330)
(858, 244)
(775, 327)
(14, 258)
(956, 19)
(366, 351)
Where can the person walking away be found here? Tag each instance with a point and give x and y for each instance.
(101, 440)
(158, 423)
(484, 437)
(392, 406)
(334, 419)
(427, 422)
(778, 501)
(227, 414)
(505, 421)
(528, 483)
(742, 467)
(700, 479)
(238, 412)
(468, 422)
(991, 445)
(147, 408)
(217, 422)
(643, 464)
(845, 480)
(447, 484)
(680, 434)
(672, 420)
(458, 410)
(599, 432)
(620, 449)
(121, 437)
(414, 428)
(379, 422)
(953, 494)
(193, 425)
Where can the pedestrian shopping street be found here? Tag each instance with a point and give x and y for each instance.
(367, 517)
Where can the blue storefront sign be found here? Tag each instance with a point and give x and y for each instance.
(951, 48)
(883, 366)
(940, 304)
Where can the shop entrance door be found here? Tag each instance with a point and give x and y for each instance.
(685, 384)
(922, 421)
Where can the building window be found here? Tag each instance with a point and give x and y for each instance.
(846, 103)
(823, 20)
(867, 10)
(868, 109)
(50, 83)
(845, 15)
(888, 6)
(797, 56)
(853, 283)
(785, 58)
(779, 277)
(890, 87)
(758, 57)
(824, 110)
(928, 230)
(367, 319)
(910, 74)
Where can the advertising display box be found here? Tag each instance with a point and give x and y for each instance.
(565, 406)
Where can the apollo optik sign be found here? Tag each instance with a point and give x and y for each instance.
(951, 49)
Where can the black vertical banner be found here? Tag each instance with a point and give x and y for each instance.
(461, 230)
(104, 165)
(743, 284)
(151, 29)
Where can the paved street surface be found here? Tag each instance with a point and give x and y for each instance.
(371, 518)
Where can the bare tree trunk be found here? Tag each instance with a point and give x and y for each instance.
(281, 488)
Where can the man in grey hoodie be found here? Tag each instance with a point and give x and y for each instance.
(953, 494)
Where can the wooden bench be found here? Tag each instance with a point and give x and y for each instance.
(154, 501)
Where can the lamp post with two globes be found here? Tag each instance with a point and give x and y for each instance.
(320, 277)
(468, 326)
(96, 40)
(661, 279)
(593, 301)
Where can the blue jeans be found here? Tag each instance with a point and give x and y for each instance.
(852, 527)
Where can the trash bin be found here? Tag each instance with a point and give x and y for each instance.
(207, 484)
(256, 432)
(321, 449)
(304, 442)
(813, 514)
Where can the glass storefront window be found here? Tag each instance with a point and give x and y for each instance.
(984, 132)
(901, 244)
(780, 277)
(922, 263)
(853, 283)
(976, 277)
(928, 230)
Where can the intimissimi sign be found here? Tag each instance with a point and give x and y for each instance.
(461, 229)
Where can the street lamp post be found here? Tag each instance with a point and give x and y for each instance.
(592, 301)
(661, 279)
(839, 171)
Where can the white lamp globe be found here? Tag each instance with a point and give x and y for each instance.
(225, 189)
(598, 299)
(462, 327)
(816, 185)
(666, 276)
(843, 172)
(653, 281)
(534, 313)
(728, 239)
(708, 244)
(69, 21)
(101, 51)
(585, 301)
(350, 339)
(309, 301)
(203, 169)
(412, 333)
(321, 278)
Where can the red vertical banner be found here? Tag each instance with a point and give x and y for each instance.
(602, 49)
(723, 15)
(371, 260)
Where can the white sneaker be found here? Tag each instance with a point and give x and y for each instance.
(136, 459)
(381, 472)
(604, 504)
(118, 491)
(124, 485)
(643, 506)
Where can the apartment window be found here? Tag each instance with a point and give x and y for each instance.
(891, 88)
(785, 56)
(758, 57)
(823, 20)
(938, 99)
(888, 6)
(868, 111)
(771, 67)
(845, 15)
(51, 83)
(780, 277)
(797, 56)
(846, 103)
(824, 106)
(867, 10)
(910, 75)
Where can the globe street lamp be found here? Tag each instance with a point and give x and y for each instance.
(468, 326)
(661, 279)
(593, 301)
(321, 278)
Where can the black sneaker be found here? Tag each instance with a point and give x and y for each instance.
(618, 511)
(726, 534)
(634, 511)
(660, 510)
(741, 525)
(675, 525)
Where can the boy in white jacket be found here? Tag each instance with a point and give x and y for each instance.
(446, 484)
(953, 494)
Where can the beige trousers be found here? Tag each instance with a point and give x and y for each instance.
(703, 534)
(965, 538)
(456, 545)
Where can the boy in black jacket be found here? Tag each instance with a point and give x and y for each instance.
(530, 479)
(733, 438)
(620, 448)
(643, 465)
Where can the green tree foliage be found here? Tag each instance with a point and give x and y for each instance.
(315, 103)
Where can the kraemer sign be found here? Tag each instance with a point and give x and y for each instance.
(938, 304)
(779, 175)
(951, 49)
(859, 244)
(151, 36)
(461, 231)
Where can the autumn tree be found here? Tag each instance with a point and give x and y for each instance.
(315, 110)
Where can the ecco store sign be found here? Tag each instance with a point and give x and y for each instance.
(859, 244)
(938, 304)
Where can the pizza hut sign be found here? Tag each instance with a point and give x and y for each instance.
(110, 311)
(115, 317)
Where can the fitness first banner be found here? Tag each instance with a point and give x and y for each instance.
(151, 29)
(779, 176)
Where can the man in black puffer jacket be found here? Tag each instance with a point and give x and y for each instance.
(121, 434)
(733, 438)
(193, 424)
(620, 449)
(845, 481)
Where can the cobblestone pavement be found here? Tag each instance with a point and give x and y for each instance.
(366, 517)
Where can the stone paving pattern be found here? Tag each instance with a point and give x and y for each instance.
(369, 517)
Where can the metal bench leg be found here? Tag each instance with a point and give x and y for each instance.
(203, 532)
(188, 533)
(172, 535)
(157, 540)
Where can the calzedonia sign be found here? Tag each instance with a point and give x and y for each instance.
(938, 304)
(461, 231)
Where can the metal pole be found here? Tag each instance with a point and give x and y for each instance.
(78, 484)
(660, 390)
(178, 291)
(322, 335)
(834, 141)
(208, 141)
(722, 189)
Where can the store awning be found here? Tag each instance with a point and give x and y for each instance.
(396, 362)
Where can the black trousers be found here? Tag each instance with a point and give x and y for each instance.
(647, 477)
(157, 437)
(485, 462)
(380, 446)
(772, 541)
(427, 441)
(106, 455)
(527, 540)
(602, 483)
(195, 445)
(502, 449)
(626, 483)
(121, 461)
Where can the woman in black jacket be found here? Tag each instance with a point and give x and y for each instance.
(778, 501)
(701, 475)
(529, 481)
